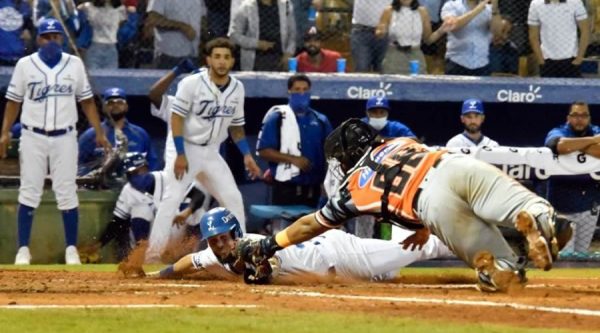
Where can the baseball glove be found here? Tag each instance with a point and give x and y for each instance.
(257, 256)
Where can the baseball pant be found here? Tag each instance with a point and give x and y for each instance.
(207, 167)
(38, 154)
(463, 200)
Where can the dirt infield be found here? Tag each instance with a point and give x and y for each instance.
(541, 305)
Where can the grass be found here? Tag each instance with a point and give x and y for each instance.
(231, 320)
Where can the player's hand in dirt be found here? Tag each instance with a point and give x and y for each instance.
(180, 167)
(253, 169)
(4, 144)
(416, 240)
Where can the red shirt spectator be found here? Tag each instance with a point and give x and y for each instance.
(314, 58)
(326, 62)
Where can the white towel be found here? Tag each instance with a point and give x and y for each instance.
(289, 141)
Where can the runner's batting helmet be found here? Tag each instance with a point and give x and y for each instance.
(219, 221)
(133, 161)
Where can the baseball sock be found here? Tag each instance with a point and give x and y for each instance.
(71, 223)
(24, 222)
(140, 228)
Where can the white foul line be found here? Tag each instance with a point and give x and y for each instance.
(126, 306)
(517, 306)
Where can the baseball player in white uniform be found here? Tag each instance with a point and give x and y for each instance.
(472, 117)
(48, 84)
(334, 253)
(207, 105)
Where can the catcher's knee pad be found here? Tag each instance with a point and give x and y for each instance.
(496, 274)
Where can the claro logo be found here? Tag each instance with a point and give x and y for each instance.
(512, 96)
(366, 93)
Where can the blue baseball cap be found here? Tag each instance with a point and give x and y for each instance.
(50, 26)
(378, 102)
(472, 105)
(113, 93)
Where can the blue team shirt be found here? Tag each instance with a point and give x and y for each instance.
(12, 20)
(570, 194)
(138, 141)
(393, 129)
(314, 128)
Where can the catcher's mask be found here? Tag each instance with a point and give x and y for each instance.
(349, 142)
(218, 221)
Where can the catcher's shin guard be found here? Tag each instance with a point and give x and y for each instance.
(537, 225)
(496, 275)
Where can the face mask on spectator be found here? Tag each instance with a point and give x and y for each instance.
(378, 123)
(50, 53)
(313, 50)
(300, 102)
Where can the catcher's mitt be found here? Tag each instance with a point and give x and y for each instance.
(259, 266)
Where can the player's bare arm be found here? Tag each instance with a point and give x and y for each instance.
(238, 136)
(11, 111)
(569, 145)
(160, 87)
(160, 22)
(273, 155)
(416, 240)
(89, 109)
(181, 164)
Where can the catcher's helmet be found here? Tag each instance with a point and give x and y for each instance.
(219, 221)
(349, 142)
(133, 161)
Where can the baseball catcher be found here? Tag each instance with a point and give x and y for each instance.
(459, 199)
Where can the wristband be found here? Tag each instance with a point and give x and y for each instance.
(243, 146)
(179, 146)
(167, 272)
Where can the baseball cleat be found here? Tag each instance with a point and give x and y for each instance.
(492, 276)
(23, 256)
(72, 256)
(564, 232)
(541, 246)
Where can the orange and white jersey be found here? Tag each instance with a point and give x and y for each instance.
(361, 193)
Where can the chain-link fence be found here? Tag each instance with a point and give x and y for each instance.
(466, 37)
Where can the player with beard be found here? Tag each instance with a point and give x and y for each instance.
(315, 58)
(576, 197)
(138, 140)
(472, 117)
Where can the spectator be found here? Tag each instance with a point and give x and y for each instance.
(66, 10)
(472, 116)
(314, 58)
(367, 50)
(266, 32)
(407, 24)
(377, 116)
(302, 11)
(218, 14)
(104, 17)
(15, 30)
(127, 35)
(576, 197)
(138, 140)
(553, 36)
(176, 26)
(291, 140)
(471, 24)
(434, 52)
(504, 57)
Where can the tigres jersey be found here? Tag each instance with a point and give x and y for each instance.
(361, 192)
